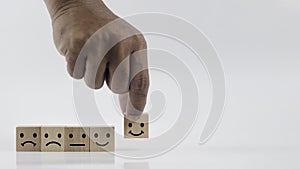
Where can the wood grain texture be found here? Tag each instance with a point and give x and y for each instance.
(28, 139)
(102, 139)
(77, 139)
(52, 139)
(137, 129)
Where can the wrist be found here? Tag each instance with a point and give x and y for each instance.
(56, 7)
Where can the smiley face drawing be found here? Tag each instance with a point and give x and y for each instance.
(77, 139)
(136, 129)
(28, 139)
(102, 139)
(52, 139)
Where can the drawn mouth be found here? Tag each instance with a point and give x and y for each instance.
(130, 132)
(53, 142)
(29, 142)
(77, 145)
(102, 145)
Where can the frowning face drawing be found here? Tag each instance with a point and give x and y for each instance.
(52, 139)
(28, 139)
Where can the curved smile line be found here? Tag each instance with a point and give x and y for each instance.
(130, 132)
(53, 142)
(23, 144)
(102, 145)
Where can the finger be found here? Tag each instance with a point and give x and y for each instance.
(139, 83)
(138, 94)
(95, 71)
(76, 53)
(76, 64)
(119, 67)
(123, 98)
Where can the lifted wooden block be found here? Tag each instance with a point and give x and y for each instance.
(137, 129)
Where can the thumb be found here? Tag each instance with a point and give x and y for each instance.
(123, 98)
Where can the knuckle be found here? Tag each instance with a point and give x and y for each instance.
(141, 41)
(78, 39)
(140, 86)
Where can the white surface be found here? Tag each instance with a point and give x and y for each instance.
(210, 158)
(258, 42)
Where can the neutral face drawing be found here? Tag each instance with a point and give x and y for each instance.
(136, 129)
(28, 139)
(102, 139)
(77, 139)
(52, 139)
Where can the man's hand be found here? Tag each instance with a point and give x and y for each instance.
(97, 50)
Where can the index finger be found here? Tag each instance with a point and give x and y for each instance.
(139, 84)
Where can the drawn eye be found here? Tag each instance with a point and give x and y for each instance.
(96, 135)
(70, 135)
(34, 135)
(22, 135)
(142, 124)
(83, 135)
(59, 135)
(46, 135)
(129, 124)
(107, 135)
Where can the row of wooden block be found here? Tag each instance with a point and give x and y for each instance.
(81, 139)
(65, 139)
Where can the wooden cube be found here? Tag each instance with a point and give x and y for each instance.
(77, 139)
(136, 129)
(52, 139)
(102, 139)
(28, 139)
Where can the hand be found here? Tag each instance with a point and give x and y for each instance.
(99, 51)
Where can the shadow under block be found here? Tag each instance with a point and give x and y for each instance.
(102, 139)
(28, 139)
(77, 139)
(52, 139)
(137, 129)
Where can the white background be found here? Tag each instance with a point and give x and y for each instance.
(257, 40)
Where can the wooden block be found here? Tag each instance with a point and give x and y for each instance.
(28, 139)
(137, 129)
(52, 139)
(102, 139)
(77, 139)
